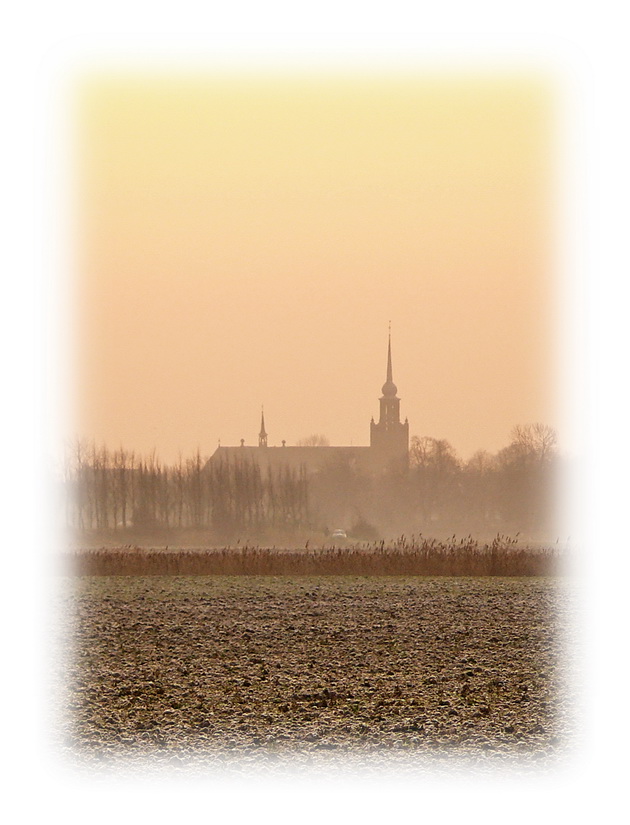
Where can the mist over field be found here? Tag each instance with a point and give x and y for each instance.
(120, 497)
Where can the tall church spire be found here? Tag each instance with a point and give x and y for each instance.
(389, 389)
(389, 438)
(262, 435)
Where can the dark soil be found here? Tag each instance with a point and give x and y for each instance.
(263, 670)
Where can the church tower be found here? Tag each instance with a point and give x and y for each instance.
(389, 439)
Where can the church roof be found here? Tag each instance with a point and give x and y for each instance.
(312, 459)
(388, 442)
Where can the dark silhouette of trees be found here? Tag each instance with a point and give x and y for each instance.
(512, 491)
(119, 491)
(479, 490)
(435, 472)
(526, 476)
(336, 490)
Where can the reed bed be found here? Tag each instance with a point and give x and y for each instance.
(414, 556)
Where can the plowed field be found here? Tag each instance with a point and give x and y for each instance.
(261, 670)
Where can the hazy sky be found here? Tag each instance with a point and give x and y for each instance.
(246, 241)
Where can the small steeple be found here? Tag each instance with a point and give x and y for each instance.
(262, 435)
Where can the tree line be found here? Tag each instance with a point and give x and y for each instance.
(510, 491)
(119, 489)
(513, 490)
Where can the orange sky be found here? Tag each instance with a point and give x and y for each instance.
(245, 241)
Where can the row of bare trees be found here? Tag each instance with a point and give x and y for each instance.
(510, 491)
(116, 490)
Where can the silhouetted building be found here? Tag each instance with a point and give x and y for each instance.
(388, 450)
(389, 439)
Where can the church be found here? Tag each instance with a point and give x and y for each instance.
(388, 450)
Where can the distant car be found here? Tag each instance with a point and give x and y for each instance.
(339, 534)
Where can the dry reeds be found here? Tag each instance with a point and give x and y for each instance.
(415, 556)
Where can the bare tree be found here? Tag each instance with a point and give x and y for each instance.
(178, 495)
(435, 472)
(120, 493)
(526, 478)
(315, 440)
(534, 442)
(478, 491)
